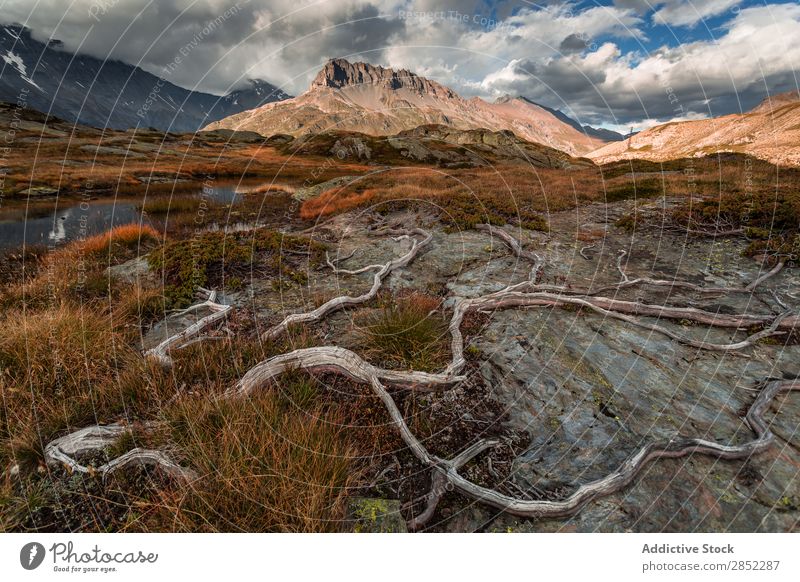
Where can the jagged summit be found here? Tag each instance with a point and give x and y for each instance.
(340, 73)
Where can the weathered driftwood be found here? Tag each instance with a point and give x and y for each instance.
(343, 301)
(190, 334)
(66, 449)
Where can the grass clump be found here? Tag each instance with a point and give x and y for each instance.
(263, 467)
(633, 190)
(62, 368)
(456, 209)
(771, 219)
(121, 238)
(407, 333)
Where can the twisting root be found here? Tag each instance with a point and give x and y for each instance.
(187, 336)
(341, 361)
(447, 470)
(621, 270)
(516, 248)
(445, 473)
(343, 301)
(440, 485)
(628, 282)
(64, 451)
(676, 447)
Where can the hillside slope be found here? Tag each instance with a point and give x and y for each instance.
(770, 132)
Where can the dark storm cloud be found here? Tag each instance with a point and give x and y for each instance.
(272, 39)
(357, 32)
(148, 33)
(574, 43)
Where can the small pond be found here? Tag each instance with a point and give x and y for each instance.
(57, 221)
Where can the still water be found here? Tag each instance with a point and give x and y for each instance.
(61, 221)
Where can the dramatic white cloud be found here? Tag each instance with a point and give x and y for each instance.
(756, 51)
(587, 60)
(690, 12)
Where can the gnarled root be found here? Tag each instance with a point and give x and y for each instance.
(66, 449)
(673, 448)
(182, 339)
(445, 473)
(343, 301)
(341, 361)
(516, 248)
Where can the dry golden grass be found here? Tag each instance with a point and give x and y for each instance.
(178, 162)
(268, 188)
(58, 369)
(126, 235)
(517, 193)
(78, 269)
(265, 464)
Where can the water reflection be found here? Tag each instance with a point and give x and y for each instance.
(61, 221)
(60, 225)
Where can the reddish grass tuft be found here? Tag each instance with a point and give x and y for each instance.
(126, 235)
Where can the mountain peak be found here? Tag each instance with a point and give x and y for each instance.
(258, 87)
(341, 73)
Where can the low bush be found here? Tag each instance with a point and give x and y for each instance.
(125, 237)
(208, 259)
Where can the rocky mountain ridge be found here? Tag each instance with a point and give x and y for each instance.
(110, 93)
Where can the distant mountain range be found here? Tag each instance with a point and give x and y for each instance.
(110, 93)
(361, 98)
(598, 132)
(375, 100)
(771, 132)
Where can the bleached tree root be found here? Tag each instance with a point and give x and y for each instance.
(516, 248)
(161, 352)
(676, 283)
(341, 361)
(66, 449)
(343, 301)
(676, 447)
(445, 472)
(626, 282)
(440, 485)
(622, 310)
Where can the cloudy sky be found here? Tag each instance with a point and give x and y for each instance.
(614, 63)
